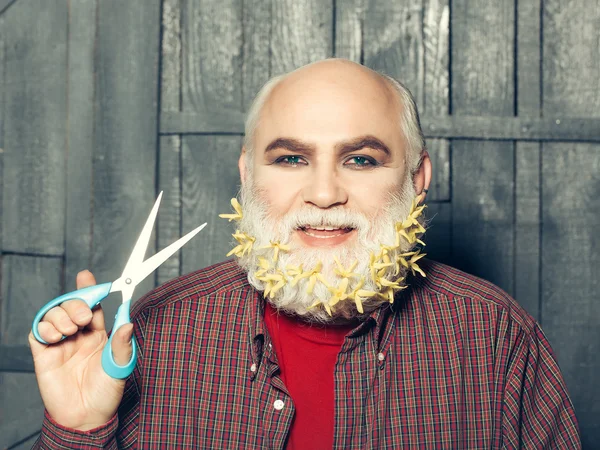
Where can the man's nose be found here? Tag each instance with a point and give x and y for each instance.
(325, 190)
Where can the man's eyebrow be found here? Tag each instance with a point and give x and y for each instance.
(362, 142)
(293, 145)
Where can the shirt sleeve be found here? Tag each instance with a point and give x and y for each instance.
(538, 413)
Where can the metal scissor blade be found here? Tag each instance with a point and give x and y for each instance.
(151, 264)
(137, 255)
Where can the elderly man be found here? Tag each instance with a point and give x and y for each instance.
(329, 330)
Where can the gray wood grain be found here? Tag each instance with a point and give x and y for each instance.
(527, 227)
(256, 63)
(438, 236)
(15, 358)
(28, 283)
(170, 74)
(80, 143)
(482, 58)
(169, 221)
(483, 210)
(483, 184)
(210, 180)
(570, 281)
(26, 443)
(302, 32)
(211, 45)
(21, 407)
(527, 160)
(557, 128)
(125, 147)
(570, 206)
(2, 89)
(169, 159)
(35, 96)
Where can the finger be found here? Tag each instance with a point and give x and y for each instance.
(59, 318)
(78, 311)
(49, 333)
(97, 322)
(36, 347)
(121, 344)
(85, 279)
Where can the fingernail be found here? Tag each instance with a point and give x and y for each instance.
(84, 315)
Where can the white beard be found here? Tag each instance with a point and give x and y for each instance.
(372, 233)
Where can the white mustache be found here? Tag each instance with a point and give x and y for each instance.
(314, 218)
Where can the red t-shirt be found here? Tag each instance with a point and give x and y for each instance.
(307, 355)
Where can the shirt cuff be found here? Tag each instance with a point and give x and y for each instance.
(58, 436)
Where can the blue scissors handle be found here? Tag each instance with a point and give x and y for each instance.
(93, 295)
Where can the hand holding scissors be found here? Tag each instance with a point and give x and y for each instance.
(136, 270)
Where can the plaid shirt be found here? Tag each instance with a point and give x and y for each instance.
(455, 363)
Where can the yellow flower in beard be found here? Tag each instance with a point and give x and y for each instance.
(345, 273)
(312, 275)
(274, 282)
(321, 302)
(245, 244)
(339, 293)
(238, 211)
(276, 246)
(358, 295)
(390, 288)
(263, 265)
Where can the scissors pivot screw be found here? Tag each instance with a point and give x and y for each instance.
(128, 281)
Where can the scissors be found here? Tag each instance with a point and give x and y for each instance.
(136, 270)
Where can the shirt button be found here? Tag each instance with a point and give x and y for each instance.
(278, 405)
(253, 368)
(380, 356)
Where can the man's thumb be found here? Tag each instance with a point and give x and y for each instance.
(121, 344)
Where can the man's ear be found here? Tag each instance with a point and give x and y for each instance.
(242, 165)
(422, 176)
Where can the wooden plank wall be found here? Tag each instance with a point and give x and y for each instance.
(103, 104)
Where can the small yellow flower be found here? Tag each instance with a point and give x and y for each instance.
(264, 266)
(345, 273)
(238, 211)
(358, 295)
(245, 244)
(339, 293)
(274, 282)
(320, 302)
(276, 246)
(312, 275)
(390, 288)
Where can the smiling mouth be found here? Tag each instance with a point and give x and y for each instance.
(325, 232)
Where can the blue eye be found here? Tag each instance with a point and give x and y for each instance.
(361, 161)
(290, 160)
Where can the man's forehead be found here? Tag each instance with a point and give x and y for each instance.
(330, 99)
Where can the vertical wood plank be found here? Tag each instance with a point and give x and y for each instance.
(527, 160)
(29, 282)
(210, 180)
(256, 63)
(438, 236)
(483, 210)
(169, 179)
(22, 410)
(80, 135)
(570, 206)
(211, 66)
(302, 32)
(124, 162)
(483, 194)
(169, 220)
(35, 95)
